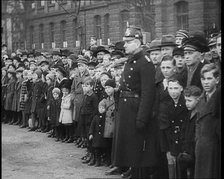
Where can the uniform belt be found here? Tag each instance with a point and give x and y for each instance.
(129, 94)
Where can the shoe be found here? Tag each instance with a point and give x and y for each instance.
(38, 130)
(32, 129)
(126, 174)
(50, 135)
(22, 126)
(57, 140)
(70, 140)
(97, 164)
(113, 171)
(85, 156)
(64, 140)
(87, 160)
(92, 161)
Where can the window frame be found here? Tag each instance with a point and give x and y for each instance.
(182, 15)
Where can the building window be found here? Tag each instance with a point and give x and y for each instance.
(63, 32)
(182, 15)
(51, 32)
(31, 36)
(97, 29)
(106, 28)
(124, 17)
(41, 37)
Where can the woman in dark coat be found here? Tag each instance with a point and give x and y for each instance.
(9, 95)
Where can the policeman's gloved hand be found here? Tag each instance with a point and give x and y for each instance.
(140, 125)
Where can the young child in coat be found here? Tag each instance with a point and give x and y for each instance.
(186, 159)
(110, 86)
(177, 112)
(54, 108)
(66, 111)
(88, 111)
(96, 132)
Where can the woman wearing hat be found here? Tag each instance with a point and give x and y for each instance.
(9, 95)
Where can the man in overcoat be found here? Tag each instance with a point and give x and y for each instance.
(136, 131)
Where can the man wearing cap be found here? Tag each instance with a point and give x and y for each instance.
(156, 56)
(167, 44)
(194, 49)
(136, 132)
(180, 35)
(44, 65)
(56, 58)
(77, 91)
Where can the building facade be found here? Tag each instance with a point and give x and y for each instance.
(71, 23)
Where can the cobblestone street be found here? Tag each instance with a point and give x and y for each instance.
(32, 155)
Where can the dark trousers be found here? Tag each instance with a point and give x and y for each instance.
(9, 115)
(162, 170)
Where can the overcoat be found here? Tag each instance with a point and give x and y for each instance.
(208, 139)
(16, 96)
(4, 87)
(66, 110)
(23, 95)
(29, 86)
(136, 147)
(54, 111)
(9, 94)
(97, 130)
(77, 92)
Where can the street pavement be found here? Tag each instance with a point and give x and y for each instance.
(32, 155)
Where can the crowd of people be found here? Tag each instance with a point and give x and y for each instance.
(144, 111)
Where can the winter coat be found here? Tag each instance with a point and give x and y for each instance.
(23, 95)
(29, 86)
(4, 87)
(54, 111)
(9, 94)
(176, 116)
(208, 139)
(77, 93)
(109, 119)
(99, 90)
(136, 145)
(16, 96)
(97, 130)
(66, 110)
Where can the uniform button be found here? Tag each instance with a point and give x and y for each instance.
(176, 142)
(129, 76)
(172, 121)
(99, 125)
(125, 99)
(121, 91)
(123, 80)
(181, 121)
(175, 131)
(134, 61)
(131, 69)
(127, 84)
(100, 116)
(125, 62)
(99, 132)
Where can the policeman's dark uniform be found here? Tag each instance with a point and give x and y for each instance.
(136, 132)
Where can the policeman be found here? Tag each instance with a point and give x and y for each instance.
(136, 132)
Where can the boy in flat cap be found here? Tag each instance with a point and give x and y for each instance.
(137, 92)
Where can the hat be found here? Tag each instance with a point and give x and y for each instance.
(182, 33)
(16, 58)
(178, 51)
(110, 82)
(82, 60)
(133, 32)
(67, 84)
(73, 57)
(196, 42)
(56, 52)
(20, 69)
(92, 63)
(37, 54)
(168, 40)
(51, 76)
(56, 90)
(212, 42)
(44, 61)
(38, 72)
(106, 73)
(33, 61)
(65, 52)
(154, 45)
(119, 46)
(62, 70)
(12, 71)
(117, 52)
(100, 49)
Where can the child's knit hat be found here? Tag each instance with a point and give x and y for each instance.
(56, 90)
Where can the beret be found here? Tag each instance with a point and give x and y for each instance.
(110, 82)
(56, 90)
(178, 51)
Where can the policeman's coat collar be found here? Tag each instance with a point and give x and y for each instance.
(135, 57)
